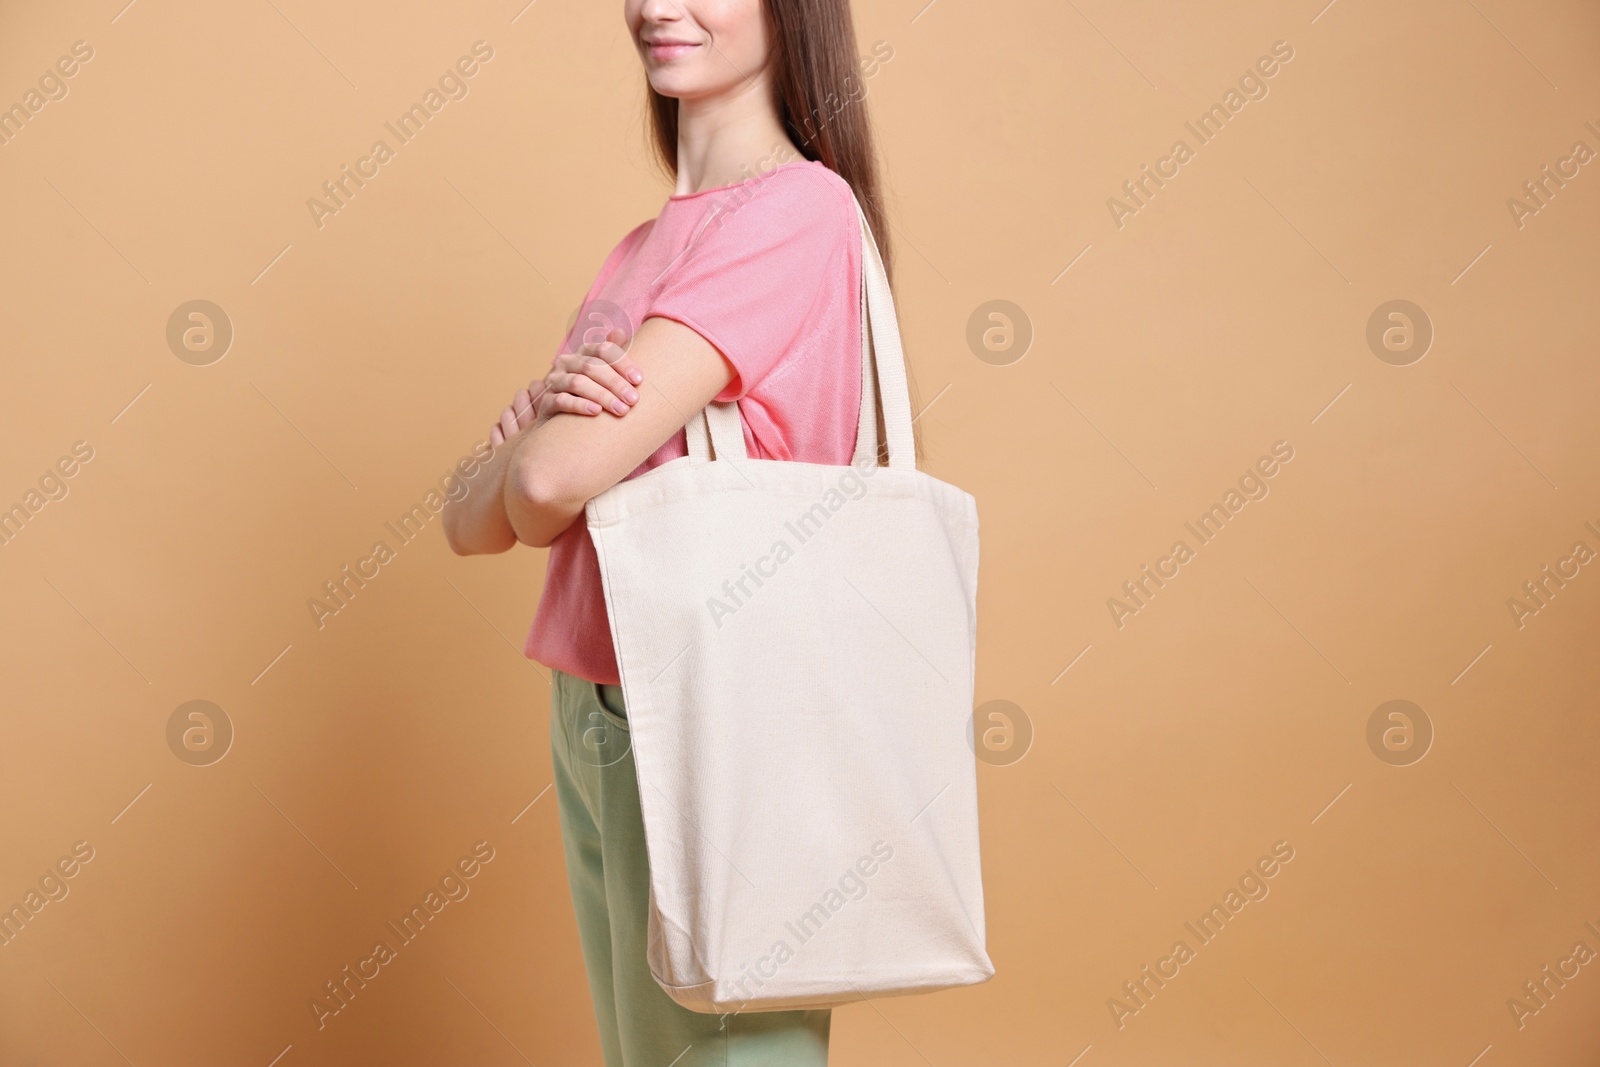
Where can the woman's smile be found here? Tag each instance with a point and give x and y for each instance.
(664, 51)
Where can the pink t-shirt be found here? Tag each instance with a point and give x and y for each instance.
(769, 271)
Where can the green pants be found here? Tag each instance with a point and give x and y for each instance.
(602, 833)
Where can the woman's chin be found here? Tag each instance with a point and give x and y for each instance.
(674, 84)
(688, 84)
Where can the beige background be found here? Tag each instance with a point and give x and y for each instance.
(1229, 714)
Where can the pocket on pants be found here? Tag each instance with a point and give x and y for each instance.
(609, 697)
(598, 735)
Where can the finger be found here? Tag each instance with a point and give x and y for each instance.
(620, 338)
(584, 385)
(616, 357)
(598, 361)
(561, 401)
(628, 369)
(617, 336)
(508, 424)
(556, 401)
(522, 404)
(612, 376)
(545, 404)
(567, 362)
(613, 356)
(495, 437)
(609, 349)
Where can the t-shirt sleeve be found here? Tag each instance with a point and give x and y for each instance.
(763, 261)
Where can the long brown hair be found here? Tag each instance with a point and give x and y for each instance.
(820, 95)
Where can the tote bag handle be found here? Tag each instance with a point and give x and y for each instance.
(716, 430)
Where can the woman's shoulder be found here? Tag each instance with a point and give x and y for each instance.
(809, 187)
(811, 177)
(633, 237)
(622, 249)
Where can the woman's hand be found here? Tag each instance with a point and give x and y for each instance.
(595, 378)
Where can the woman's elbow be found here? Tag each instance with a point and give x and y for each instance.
(540, 503)
(470, 534)
(456, 537)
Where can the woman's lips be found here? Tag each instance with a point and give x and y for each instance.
(664, 51)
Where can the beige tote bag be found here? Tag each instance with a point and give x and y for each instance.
(797, 644)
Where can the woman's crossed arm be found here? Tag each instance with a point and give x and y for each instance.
(556, 461)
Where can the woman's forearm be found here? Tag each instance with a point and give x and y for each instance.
(543, 475)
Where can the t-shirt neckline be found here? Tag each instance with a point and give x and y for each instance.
(735, 185)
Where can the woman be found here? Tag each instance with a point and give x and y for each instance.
(746, 287)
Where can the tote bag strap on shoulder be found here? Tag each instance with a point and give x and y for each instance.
(715, 430)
